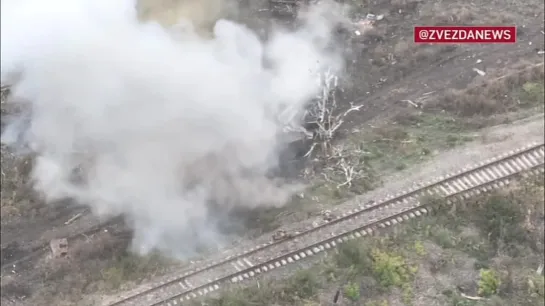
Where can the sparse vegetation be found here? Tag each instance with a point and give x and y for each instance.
(512, 90)
(385, 268)
(419, 248)
(536, 286)
(416, 104)
(99, 264)
(129, 267)
(414, 136)
(391, 270)
(352, 291)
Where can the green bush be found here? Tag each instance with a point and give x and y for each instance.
(391, 270)
(419, 248)
(500, 218)
(130, 267)
(352, 291)
(489, 282)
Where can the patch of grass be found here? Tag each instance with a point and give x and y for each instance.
(500, 220)
(243, 297)
(532, 92)
(352, 291)
(475, 247)
(325, 192)
(415, 136)
(298, 289)
(266, 220)
(391, 270)
(489, 282)
(412, 139)
(444, 238)
(17, 196)
(355, 257)
(463, 14)
(302, 286)
(377, 303)
(419, 248)
(129, 267)
(518, 89)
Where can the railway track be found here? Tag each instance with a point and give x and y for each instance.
(486, 176)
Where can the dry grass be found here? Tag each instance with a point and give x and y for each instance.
(408, 138)
(17, 197)
(467, 13)
(508, 92)
(99, 264)
(406, 55)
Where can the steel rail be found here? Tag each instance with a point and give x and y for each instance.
(463, 183)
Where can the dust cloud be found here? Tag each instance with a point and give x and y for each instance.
(169, 128)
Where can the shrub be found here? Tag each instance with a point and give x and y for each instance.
(419, 248)
(489, 282)
(355, 255)
(390, 270)
(533, 92)
(352, 291)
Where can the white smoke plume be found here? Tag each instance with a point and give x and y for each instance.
(172, 131)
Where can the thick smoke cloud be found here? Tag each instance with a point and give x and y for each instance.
(171, 129)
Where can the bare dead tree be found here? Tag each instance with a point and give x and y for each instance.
(323, 114)
(322, 121)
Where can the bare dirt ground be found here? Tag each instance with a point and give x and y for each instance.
(418, 101)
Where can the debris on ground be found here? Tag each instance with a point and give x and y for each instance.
(74, 218)
(281, 235)
(59, 247)
(327, 215)
(479, 71)
(366, 24)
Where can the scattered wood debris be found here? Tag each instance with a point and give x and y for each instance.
(474, 298)
(479, 71)
(416, 105)
(74, 218)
